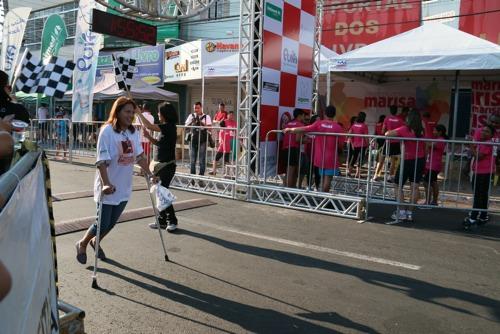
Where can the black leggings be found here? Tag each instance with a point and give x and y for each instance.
(166, 174)
(481, 195)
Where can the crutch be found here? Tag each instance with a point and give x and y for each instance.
(97, 239)
(147, 179)
(156, 218)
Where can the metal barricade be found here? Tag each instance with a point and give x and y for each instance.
(205, 159)
(290, 176)
(364, 173)
(52, 135)
(449, 182)
(84, 139)
(296, 176)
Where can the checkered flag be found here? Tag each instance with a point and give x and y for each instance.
(124, 71)
(51, 79)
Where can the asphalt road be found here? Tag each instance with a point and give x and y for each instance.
(238, 267)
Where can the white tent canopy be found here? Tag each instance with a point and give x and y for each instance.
(429, 50)
(431, 47)
(142, 93)
(105, 88)
(326, 55)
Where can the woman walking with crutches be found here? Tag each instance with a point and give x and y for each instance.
(165, 144)
(118, 148)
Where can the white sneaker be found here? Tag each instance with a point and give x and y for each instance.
(409, 216)
(401, 215)
(171, 227)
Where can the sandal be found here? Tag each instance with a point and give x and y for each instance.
(100, 253)
(80, 257)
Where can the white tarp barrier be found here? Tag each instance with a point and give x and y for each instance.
(26, 251)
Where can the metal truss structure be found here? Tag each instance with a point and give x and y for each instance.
(335, 205)
(317, 55)
(249, 90)
(155, 10)
(205, 185)
(245, 182)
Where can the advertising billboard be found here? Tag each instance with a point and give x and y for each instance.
(480, 18)
(214, 50)
(485, 102)
(149, 63)
(349, 25)
(287, 63)
(183, 62)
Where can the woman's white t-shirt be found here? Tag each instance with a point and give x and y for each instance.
(119, 150)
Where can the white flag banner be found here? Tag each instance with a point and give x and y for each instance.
(2, 17)
(26, 251)
(12, 37)
(87, 44)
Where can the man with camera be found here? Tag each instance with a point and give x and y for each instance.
(198, 137)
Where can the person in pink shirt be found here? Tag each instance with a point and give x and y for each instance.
(434, 164)
(221, 114)
(325, 147)
(305, 156)
(494, 121)
(225, 145)
(359, 144)
(429, 124)
(483, 167)
(392, 147)
(379, 131)
(413, 164)
(290, 149)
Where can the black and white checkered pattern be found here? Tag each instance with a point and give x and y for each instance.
(51, 79)
(124, 71)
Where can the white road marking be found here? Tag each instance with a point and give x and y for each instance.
(312, 247)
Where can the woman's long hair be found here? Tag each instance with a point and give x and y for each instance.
(115, 109)
(167, 110)
(4, 81)
(442, 129)
(414, 122)
(361, 117)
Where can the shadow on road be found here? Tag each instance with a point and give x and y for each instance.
(251, 318)
(439, 220)
(414, 288)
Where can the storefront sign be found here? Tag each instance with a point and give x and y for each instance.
(183, 62)
(213, 50)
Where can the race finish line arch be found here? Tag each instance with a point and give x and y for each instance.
(278, 71)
